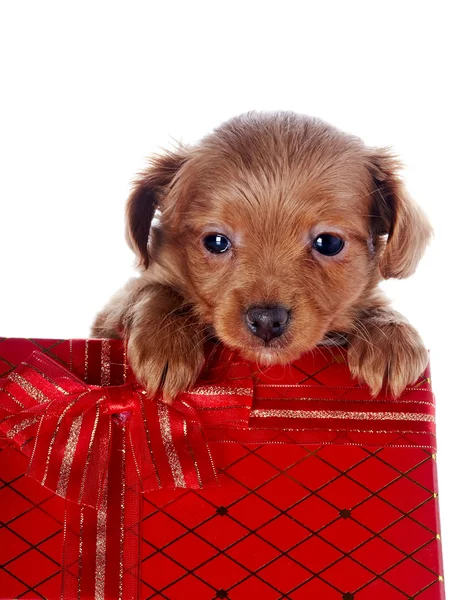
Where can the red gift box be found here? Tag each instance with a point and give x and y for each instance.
(285, 482)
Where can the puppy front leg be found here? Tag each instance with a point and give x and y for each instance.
(165, 342)
(385, 348)
(165, 339)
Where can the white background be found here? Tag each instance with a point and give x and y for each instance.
(89, 89)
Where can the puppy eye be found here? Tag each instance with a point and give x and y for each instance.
(327, 244)
(216, 243)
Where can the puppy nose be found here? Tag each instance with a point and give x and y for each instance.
(267, 322)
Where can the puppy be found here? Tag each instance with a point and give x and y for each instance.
(272, 235)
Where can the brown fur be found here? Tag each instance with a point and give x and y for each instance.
(270, 182)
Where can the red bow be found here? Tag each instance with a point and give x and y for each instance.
(100, 447)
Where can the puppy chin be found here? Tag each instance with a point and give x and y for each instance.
(268, 356)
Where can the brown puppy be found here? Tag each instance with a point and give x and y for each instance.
(273, 233)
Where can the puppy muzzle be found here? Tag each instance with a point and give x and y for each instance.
(267, 322)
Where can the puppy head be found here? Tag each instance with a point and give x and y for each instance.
(276, 228)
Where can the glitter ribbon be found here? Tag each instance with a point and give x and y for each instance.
(100, 448)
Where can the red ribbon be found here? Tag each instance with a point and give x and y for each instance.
(100, 448)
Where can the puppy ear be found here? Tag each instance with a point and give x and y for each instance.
(395, 214)
(150, 187)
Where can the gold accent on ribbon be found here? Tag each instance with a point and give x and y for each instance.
(218, 407)
(122, 511)
(192, 455)
(440, 578)
(345, 400)
(21, 426)
(343, 414)
(317, 386)
(89, 452)
(105, 373)
(36, 394)
(14, 399)
(69, 453)
(86, 360)
(171, 453)
(80, 551)
(47, 378)
(125, 363)
(149, 443)
(55, 433)
(100, 546)
(211, 462)
(133, 453)
(438, 536)
(36, 438)
(349, 431)
(322, 443)
(101, 488)
(216, 390)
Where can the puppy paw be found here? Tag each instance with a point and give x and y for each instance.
(160, 365)
(391, 353)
